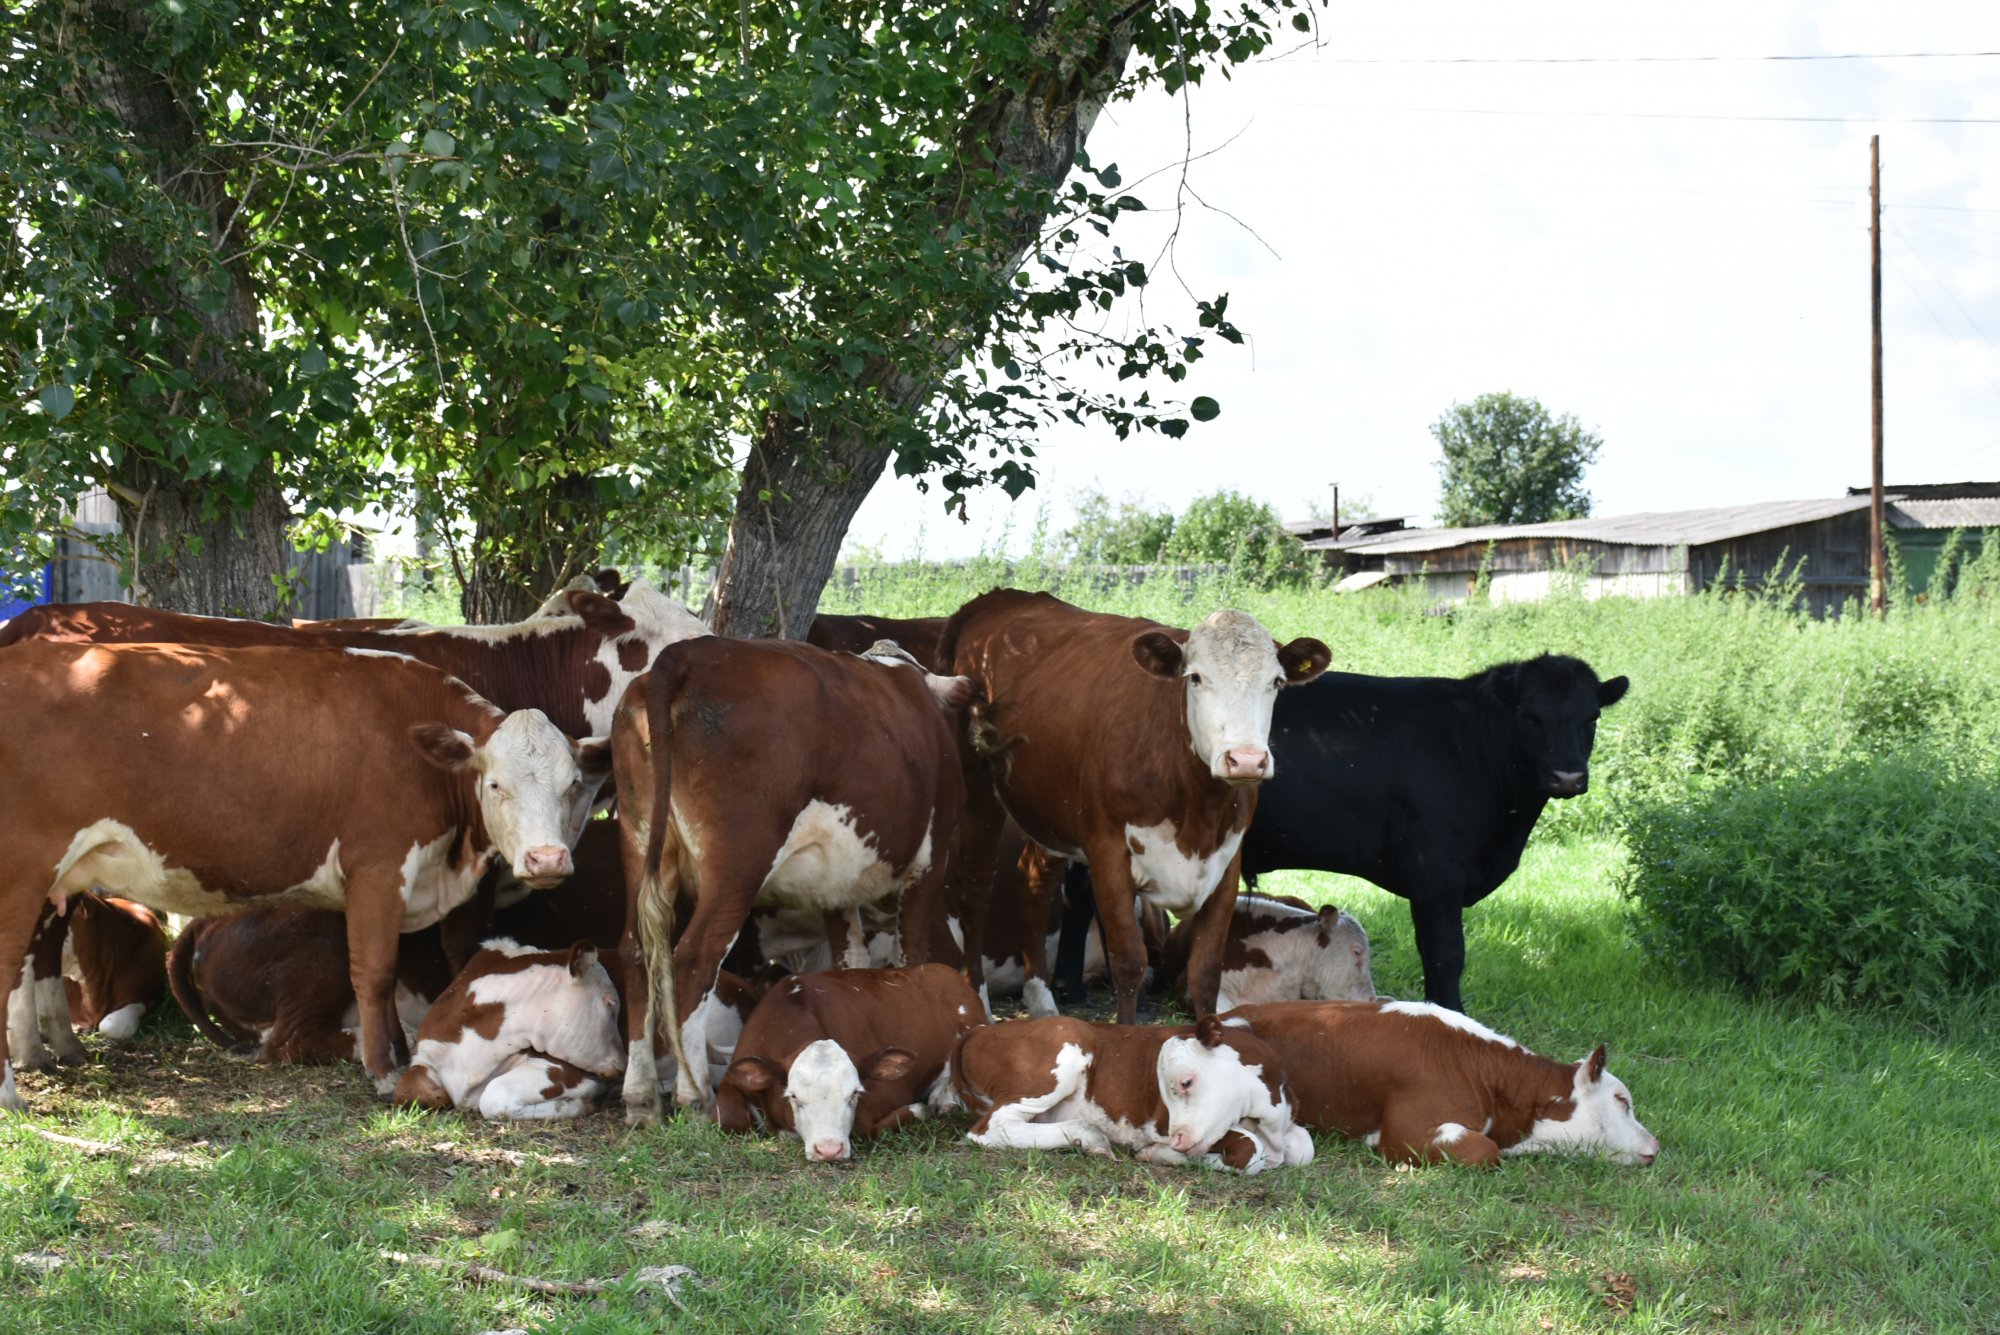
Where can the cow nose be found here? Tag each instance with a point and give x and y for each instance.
(1570, 782)
(1183, 1141)
(829, 1151)
(547, 861)
(1245, 763)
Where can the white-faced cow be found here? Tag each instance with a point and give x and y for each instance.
(1422, 1083)
(764, 771)
(829, 1057)
(201, 780)
(1130, 744)
(520, 1033)
(1211, 1093)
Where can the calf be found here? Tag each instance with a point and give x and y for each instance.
(520, 1033)
(99, 966)
(280, 978)
(1211, 1092)
(761, 771)
(1282, 949)
(853, 1052)
(202, 781)
(1422, 1083)
(1135, 746)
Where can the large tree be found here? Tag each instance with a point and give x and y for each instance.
(1508, 460)
(535, 270)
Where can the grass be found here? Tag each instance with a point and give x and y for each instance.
(1822, 1172)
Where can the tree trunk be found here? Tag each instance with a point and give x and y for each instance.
(230, 563)
(801, 490)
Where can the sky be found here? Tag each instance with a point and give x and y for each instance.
(1441, 199)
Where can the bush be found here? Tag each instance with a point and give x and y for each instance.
(1876, 881)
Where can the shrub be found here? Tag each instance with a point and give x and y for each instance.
(1875, 881)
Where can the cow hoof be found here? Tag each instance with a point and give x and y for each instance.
(385, 1085)
(40, 1061)
(78, 1057)
(638, 1116)
(244, 1052)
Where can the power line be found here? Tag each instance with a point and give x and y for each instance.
(1648, 60)
(1943, 286)
(1664, 115)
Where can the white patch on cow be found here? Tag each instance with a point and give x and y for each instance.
(1302, 967)
(1372, 1140)
(693, 1088)
(1486, 1127)
(1169, 878)
(544, 1008)
(109, 856)
(383, 653)
(957, 930)
(1449, 1133)
(658, 621)
(985, 1002)
(942, 1096)
(1072, 1121)
(431, 886)
(827, 863)
(722, 1033)
(10, 1098)
(1443, 1015)
(531, 793)
(516, 1091)
(1230, 664)
(856, 955)
(824, 1088)
(124, 1022)
(1208, 1090)
(1601, 1122)
(51, 1002)
(24, 1031)
(1041, 1001)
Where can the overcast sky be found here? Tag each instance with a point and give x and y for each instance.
(1622, 239)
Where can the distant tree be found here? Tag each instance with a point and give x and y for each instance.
(1228, 528)
(1129, 535)
(1508, 460)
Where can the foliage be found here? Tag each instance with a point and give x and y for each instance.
(1508, 460)
(1222, 528)
(1134, 534)
(1877, 881)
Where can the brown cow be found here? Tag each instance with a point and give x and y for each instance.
(1283, 949)
(102, 971)
(1132, 745)
(761, 770)
(1422, 1083)
(852, 1052)
(1211, 1092)
(201, 780)
(856, 635)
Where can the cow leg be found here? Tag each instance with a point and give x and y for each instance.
(51, 1000)
(1407, 1138)
(374, 931)
(24, 1028)
(17, 926)
(1041, 873)
(846, 943)
(972, 868)
(1440, 930)
(1208, 940)
(309, 1032)
(1012, 1126)
(1124, 947)
(465, 927)
(718, 916)
(921, 914)
(1073, 945)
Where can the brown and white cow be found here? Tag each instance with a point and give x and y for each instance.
(520, 1033)
(1130, 744)
(1212, 1092)
(1283, 949)
(200, 780)
(764, 771)
(103, 973)
(1422, 1083)
(279, 978)
(831, 1056)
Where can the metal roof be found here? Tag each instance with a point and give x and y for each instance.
(1669, 528)
(1983, 512)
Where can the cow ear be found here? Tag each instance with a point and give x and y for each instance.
(1208, 1031)
(600, 613)
(1611, 692)
(447, 748)
(1329, 918)
(732, 1110)
(608, 580)
(582, 958)
(1303, 659)
(751, 1074)
(1593, 1065)
(888, 1064)
(593, 757)
(1159, 653)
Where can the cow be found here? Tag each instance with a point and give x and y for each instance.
(280, 978)
(849, 1053)
(199, 780)
(102, 971)
(766, 771)
(1132, 745)
(1211, 1093)
(1422, 1083)
(1283, 949)
(520, 1033)
(855, 634)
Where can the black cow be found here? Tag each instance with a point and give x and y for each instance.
(1427, 786)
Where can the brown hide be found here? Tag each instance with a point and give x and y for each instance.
(856, 635)
(121, 954)
(923, 1011)
(721, 748)
(241, 768)
(1358, 1069)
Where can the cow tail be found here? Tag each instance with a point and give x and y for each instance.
(180, 977)
(656, 902)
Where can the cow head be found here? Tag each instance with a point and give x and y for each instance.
(1232, 671)
(825, 1098)
(1338, 966)
(1220, 1076)
(535, 787)
(1594, 1118)
(1555, 702)
(577, 1013)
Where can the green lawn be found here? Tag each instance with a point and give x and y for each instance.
(1821, 1172)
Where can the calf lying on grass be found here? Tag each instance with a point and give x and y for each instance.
(829, 1056)
(1282, 949)
(1212, 1093)
(519, 1033)
(101, 970)
(1422, 1083)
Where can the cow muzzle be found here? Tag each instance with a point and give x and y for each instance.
(545, 866)
(828, 1151)
(1245, 764)
(1183, 1142)
(1569, 783)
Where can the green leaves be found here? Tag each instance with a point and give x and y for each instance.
(57, 400)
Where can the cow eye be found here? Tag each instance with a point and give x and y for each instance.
(1194, 679)
(1187, 1084)
(1624, 1103)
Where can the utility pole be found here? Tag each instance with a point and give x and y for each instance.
(1336, 510)
(1878, 596)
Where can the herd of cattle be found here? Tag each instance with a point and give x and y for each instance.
(825, 858)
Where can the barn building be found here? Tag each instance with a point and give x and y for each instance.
(1656, 555)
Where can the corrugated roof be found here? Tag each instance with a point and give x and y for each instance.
(1651, 529)
(1966, 513)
